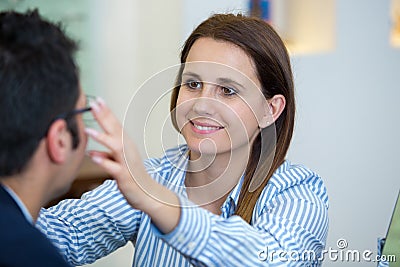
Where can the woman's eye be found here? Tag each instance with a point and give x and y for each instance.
(228, 91)
(193, 84)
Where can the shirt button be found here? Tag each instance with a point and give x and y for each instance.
(181, 239)
(191, 245)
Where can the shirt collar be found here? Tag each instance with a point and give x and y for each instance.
(20, 204)
(177, 178)
(230, 204)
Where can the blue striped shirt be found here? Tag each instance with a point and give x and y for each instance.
(289, 224)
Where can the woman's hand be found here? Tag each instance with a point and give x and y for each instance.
(124, 164)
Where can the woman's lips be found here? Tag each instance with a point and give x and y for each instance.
(204, 128)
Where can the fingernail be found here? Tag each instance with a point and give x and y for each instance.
(100, 101)
(91, 101)
(91, 132)
(97, 159)
(95, 106)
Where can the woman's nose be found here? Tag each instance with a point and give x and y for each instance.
(205, 103)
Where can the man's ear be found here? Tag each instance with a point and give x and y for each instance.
(273, 109)
(58, 141)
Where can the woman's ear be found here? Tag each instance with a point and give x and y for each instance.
(273, 109)
(58, 141)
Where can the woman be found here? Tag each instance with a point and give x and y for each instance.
(226, 198)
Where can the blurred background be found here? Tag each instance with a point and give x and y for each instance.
(345, 56)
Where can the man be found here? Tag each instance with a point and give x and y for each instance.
(42, 139)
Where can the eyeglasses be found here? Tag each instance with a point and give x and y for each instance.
(69, 114)
(87, 117)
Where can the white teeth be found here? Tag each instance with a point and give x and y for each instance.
(206, 128)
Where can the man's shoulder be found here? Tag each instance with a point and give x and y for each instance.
(22, 244)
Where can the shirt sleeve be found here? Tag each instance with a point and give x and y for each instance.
(92, 227)
(381, 258)
(289, 231)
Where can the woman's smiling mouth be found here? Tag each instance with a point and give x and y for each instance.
(204, 128)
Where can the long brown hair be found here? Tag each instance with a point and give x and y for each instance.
(270, 57)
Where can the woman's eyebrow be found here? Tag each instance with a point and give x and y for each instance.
(191, 74)
(230, 81)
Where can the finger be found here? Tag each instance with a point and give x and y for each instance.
(105, 118)
(113, 168)
(102, 154)
(118, 172)
(114, 144)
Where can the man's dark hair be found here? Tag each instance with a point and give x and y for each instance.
(38, 81)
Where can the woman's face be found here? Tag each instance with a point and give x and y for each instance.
(220, 105)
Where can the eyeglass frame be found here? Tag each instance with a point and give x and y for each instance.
(74, 112)
(71, 113)
(67, 115)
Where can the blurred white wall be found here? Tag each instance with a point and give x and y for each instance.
(348, 123)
